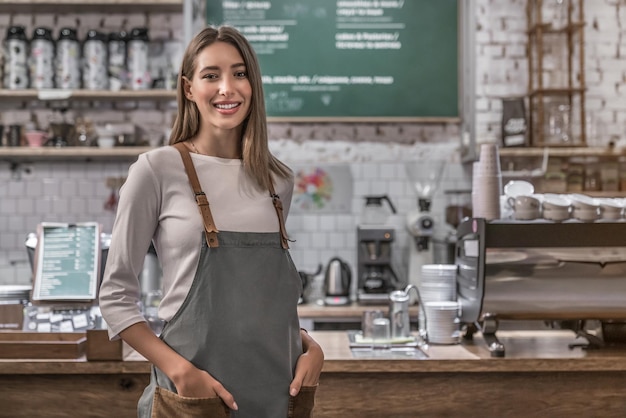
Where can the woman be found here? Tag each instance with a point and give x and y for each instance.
(211, 205)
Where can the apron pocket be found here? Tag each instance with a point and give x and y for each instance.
(301, 405)
(168, 404)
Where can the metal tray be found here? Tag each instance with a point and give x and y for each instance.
(415, 344)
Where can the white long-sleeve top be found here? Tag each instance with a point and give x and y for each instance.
(157, 204)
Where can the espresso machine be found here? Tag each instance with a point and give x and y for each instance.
(376, 275)
(425, 177)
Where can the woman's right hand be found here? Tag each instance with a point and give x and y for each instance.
(189, 380)
(192, 382)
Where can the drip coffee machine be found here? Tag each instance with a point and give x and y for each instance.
(425, 177)
(376, 276)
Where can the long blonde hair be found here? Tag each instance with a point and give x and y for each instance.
(258, 161)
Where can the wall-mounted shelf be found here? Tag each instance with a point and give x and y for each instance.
(596, 171)
(27, 154)
(562, 152)
(58, 94)
(78, 6)
(556, 72)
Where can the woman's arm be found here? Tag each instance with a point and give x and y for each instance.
(188, 379)
(309, 366)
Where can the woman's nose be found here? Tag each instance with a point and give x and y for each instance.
(226, 86)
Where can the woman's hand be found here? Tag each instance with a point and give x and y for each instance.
(192, 382)
(189, 380)
(309, 365)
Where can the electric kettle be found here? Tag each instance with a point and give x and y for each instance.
(337, 281)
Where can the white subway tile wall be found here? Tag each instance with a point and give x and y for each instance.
(77, 191)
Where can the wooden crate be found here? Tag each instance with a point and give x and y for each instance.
(99, 348)
(42, 345)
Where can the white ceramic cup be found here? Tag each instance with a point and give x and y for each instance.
(586, 215)
(525, 208)
(556, 207)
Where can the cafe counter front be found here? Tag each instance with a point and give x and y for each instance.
(541, 376)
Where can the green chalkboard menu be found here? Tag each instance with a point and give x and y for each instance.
(67, 262)
(352, 59)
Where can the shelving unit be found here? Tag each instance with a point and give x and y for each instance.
(27, 154)
(595, 171)
(58, 94)
(46, 6)
(58, 97)
(556, 73)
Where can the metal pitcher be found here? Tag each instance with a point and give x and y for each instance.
(399, 312)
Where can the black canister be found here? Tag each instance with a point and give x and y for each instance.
(95, 60)
(138, 70)
(42, 59)
(14, 136)
(16, 58)
(67, 74)
(117, 60)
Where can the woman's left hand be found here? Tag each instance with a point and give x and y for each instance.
(309, 365)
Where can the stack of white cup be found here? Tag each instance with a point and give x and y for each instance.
(487, 183)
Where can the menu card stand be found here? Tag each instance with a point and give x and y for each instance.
(66, 272)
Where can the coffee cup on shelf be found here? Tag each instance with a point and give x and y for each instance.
(525, 207)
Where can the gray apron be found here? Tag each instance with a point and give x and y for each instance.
(239, 321)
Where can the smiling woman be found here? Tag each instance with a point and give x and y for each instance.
(232, 339)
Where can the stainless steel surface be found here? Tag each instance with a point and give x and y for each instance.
(568, 271)
(151, 273)
(337, 280)
(399, 314)
(567, 274)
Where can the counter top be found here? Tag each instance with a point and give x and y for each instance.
(525, 351)
(539, 371)
(353, 310)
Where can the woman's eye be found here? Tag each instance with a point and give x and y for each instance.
(210, 76)
(241, 74)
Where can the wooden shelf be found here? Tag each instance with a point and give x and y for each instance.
(546, 28)
(105, 6)
(556, 91)
(27, 154)
(62, 95)
(562, 152)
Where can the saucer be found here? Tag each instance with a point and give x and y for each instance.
(516, 188)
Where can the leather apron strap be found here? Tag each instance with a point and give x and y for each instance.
(278, 205)
(210, 230)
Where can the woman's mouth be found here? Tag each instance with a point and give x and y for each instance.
(227, 107)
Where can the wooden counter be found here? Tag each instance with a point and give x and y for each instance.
(540, 377)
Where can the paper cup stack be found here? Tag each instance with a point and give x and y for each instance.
(487, 183)
(437, 284)
(442, 326)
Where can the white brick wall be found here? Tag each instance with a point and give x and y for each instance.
(76, 191)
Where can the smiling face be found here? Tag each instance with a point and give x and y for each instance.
(220, 88)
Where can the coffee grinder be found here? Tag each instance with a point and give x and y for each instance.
(425, 177)
(376, 276)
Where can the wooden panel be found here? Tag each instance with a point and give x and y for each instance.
(457, 394)
(42, 345)
(94, 396)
